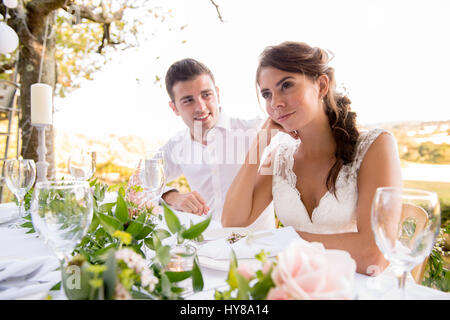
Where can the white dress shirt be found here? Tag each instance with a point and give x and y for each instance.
(210, 169)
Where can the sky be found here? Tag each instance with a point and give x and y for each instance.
(392, 57)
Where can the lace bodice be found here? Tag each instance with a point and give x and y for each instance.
(332, 215)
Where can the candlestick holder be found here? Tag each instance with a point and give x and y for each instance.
(41, 165)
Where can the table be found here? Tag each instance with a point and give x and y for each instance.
(15, 243)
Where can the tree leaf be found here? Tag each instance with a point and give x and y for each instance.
(196, 229)
(121, 209)
(197, 277)
(172, 221)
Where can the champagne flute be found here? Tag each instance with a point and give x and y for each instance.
(20, 175)
(82, 164)
(154, 177)
(405, 223)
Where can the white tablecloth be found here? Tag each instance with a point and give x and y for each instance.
(16, 244)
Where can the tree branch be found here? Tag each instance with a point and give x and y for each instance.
(217, 9)
(85, 12)
(44, 7)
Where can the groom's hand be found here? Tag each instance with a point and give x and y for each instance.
(191, 202)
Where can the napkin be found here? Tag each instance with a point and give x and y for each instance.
(23, 267)
(8, 212)
(271, 241)
(20, 277)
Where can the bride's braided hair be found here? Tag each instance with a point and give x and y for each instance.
(299, 57)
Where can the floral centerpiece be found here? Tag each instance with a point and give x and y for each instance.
(123, 254)
(302, 271)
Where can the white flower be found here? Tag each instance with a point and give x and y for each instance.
(148, 279)
(120, 293)
(138, 264)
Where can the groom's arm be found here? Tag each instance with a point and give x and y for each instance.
(191, 202)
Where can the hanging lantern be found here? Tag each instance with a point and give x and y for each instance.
(8, 38)
(10, 3)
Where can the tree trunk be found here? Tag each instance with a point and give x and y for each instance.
(29, 66)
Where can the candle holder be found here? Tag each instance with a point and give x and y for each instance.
(41, 165)
(182, 259)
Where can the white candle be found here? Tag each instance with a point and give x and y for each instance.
(41, 104)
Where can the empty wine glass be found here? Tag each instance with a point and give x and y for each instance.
(82, 164)
(61, 213)
(405, 223)
(20, 175)
(154, 178)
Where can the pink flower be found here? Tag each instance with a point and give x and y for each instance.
(308, 271)
(266, 267)
(246, 271)
(278, 294)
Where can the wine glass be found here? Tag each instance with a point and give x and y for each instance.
(61, 214)
(154, 177)
(82, 164)
(405, 223)
(20, 175)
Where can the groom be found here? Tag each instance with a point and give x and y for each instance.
(211, 149)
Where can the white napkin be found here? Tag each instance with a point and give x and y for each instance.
(17, 267)
(32, 292)
(8, 211)
(271, 241)
(26, 276)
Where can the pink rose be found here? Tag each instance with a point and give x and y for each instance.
(278, 294)
(246, 271)
(308, 271)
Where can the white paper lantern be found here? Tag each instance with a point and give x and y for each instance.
(10, 3)
(8, 39)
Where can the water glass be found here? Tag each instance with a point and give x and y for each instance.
(82, 164)
(154, 177)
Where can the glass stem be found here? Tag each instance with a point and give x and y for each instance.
(21, 207)
(401, 284)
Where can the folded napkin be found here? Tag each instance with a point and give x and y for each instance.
(8, 211)
(35, 291)
(22, 277)
(271, 241)
(17, 267)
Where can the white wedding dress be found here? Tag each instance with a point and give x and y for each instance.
(333, 214)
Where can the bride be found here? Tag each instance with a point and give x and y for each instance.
(321, 172)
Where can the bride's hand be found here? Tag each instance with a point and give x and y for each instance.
(272, 128)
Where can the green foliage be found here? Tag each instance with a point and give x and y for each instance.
(428, 152)
(122, 224)
(436, 275)
(240, 287)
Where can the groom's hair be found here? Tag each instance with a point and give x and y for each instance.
(185, 70)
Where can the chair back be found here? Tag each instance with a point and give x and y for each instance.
(417, 218)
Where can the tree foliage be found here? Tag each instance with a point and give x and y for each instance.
(64, 41)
